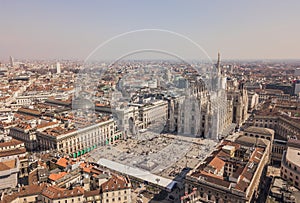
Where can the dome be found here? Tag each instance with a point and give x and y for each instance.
(82, 104)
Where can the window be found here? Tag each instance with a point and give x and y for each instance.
(192, 130)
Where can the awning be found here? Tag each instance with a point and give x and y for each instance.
(74, 155)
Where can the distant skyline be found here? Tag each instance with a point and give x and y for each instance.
(73, 29)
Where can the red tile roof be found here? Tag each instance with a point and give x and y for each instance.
(56, 176)
(115, 183)
(53, 192)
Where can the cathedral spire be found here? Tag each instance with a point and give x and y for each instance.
(219, 64)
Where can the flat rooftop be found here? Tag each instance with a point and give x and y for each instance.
(138, 173)
(293, 155)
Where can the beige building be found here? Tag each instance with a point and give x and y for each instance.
(281, 116)
(151, 112)
(285, 127)
(25, 194)
(116, 189)
(290, 165)
(9, 170)
(54, 194)
(155, 112)
(26, 133)
(232, 173)
(70, 140)
(15, 149)
(277, 146)
(260, 132)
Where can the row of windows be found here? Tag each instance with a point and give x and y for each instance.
(291, 180)
(290, 165)
(66, 201)
(119, 193)
(114, 199)
(265, 121)
(257, 136)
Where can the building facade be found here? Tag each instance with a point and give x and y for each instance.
(73, 140)
(9, 170)
(290, 165)
(232, 173)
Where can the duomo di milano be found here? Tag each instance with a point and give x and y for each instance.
(210, 113)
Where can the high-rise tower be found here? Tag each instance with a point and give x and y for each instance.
(58, 70)
(11, 61)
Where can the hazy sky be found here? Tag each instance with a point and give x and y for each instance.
(72, 29)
